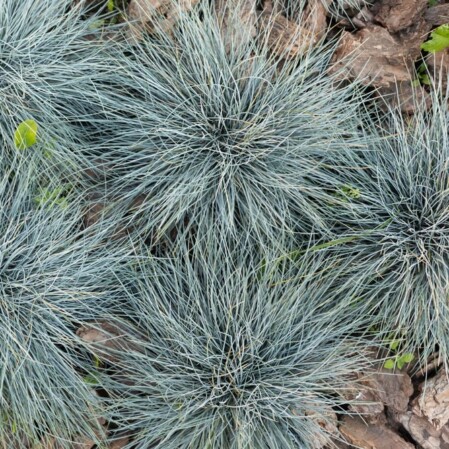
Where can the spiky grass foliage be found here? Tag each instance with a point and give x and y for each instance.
(52, 276)
(217, 352)
(398, 225)
(211, 128)
(51, 70)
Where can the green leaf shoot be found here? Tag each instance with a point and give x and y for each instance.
(97, 362)
(439, 39)
(347, 192)
(407, 357)
(25, 135)
(394, 345)
(389, 364)
(51, 197)
(399, 361)
(92, 378)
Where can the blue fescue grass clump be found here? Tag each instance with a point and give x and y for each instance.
(53, 276)
(216, 352)
(399, 226)
(211, 128)
(51, 69)
(206, 131)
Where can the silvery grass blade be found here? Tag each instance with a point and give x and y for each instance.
(399, 225)
(211, 351)
(53, 276)
(211, 128)
(51, 71)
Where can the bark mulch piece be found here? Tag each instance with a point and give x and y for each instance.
(384, 49)
(374, 56)
(437, 15)
(433, 401)
(423, 432)
(396, 15)
(397, 411)
(369, 436)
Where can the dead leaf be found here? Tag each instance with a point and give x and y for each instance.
(104, 336)
(83, 443)
(237, 23)
(119, 444)
(144, 14)
(94, 213)
(285, 38)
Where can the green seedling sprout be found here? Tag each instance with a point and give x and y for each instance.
(93, 378)
(52, 197)
(347, 192)
(398, 360)
(25, 135)
(439, 40)
(423, 77)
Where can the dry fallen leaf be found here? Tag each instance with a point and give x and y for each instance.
(145, 13)
(119, 444)
(237, 23)
(104, 336)
(285, 38)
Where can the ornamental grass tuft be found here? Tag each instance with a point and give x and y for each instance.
(398, 225)
(53, 277)
(216, 350)
(51, 71)
(209, 127)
